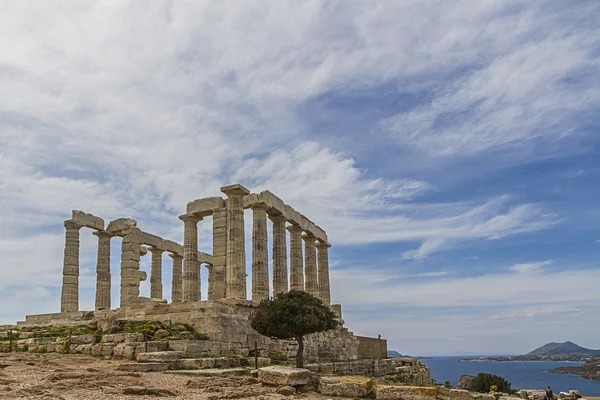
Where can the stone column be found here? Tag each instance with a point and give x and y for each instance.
(236, 252)
(310, 260)
(176, 284)
(211, 282)
(323, 260)
(260, 254)
(156, 289)
(69, 300)
(219, 254)
(191, 266)
(131, 276)
(280, 268)
(296, 269)
(103, 278)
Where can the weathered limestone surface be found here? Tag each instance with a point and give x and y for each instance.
(284, 376)
(280, 268)
(219, 252)
(156, 288)
(176, 281)
(211, 282)
(205, 207)
(260, 256)
(323, 272)
(119, 226)
(310, 256)
(236, 252)
(103, 278)
(347, 386)
(406, 392)
(296, 268)
(191, 266)
(131, 276)
(87, 220)
(70, 285)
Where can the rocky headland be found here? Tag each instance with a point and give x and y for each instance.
(588, 370)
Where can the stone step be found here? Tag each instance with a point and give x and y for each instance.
(160, 356)
(144, 367)
(213, 372)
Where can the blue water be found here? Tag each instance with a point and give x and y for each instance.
(521, 374)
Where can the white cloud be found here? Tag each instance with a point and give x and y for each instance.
(530, 267)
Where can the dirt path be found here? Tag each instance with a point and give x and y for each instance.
(70, 377)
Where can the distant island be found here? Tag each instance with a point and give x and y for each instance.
(587, 370)
(567, 351)
(395, 354)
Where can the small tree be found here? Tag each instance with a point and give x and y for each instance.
(484, 382)
(291, 316)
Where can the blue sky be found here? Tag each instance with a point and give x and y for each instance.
(450, 150)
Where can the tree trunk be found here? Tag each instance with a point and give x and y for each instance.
(300, 354)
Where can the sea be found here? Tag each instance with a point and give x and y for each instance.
(521, 374)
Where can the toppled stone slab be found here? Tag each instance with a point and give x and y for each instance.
(406, 392)
(284, 376)
(218, 362)
(144, 367)
(346, 386)
(159, 356)
(213, 372)
(146, 391)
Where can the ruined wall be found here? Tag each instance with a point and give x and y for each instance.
(371, 348)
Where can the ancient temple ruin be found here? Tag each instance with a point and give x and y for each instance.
(224, 314)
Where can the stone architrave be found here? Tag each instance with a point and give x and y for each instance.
(323, 268)
(280, 268)
(310, 264)
(156, 289)
(191, 266)
(131, 276)
(260, 254)
(296, 268)
(219, 290)
(103, 278)
(69, 301)
(236, 252)
(176, 282)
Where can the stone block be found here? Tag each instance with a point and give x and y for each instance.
(405, 392)
(459, 394)
(87, 220)
(197, 363)
(123, 337)
(84, 339)
(151, 240)
(284, 376)
(144, 367)
(262, 361)
(170, 246)
(216, 372)
(118, 226)
(204, 207)
(159, 356)
(346, 386)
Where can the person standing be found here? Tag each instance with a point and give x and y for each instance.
(549, 394)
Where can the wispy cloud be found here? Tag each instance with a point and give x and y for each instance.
(530, 267)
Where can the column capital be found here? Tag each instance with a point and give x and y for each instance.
(153, 249)
(260, 206)
(190, 218)
(235, 190)
(102, 234)
(277, 217)
(175, 256)
(321, 244)
(294, 228)
(70, 224)
(309, 238)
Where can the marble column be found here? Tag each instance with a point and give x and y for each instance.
(219, 253)
(191, 266)
(103, 278)
(260, 254)
(176, 283)
(280, 268)
(323, 267)
(236, 252)
(296, 268)
(310, 265)
(156, 288)
(69, 301)
(211, 281)
(131, 276)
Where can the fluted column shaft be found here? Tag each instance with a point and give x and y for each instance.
(131, 276)
(323, 267)
(310, 261)
(69, 301)
(236, 252)
(191, 266)
(211, 282)
(219, 290)
(176, 283)
(103, 278)
(156, 288)
(260, 254)
(296, 268)
(280, 269)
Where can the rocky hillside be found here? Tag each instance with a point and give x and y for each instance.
(553, 348)
(587, 370)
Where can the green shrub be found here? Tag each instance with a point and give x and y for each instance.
(483, 383)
